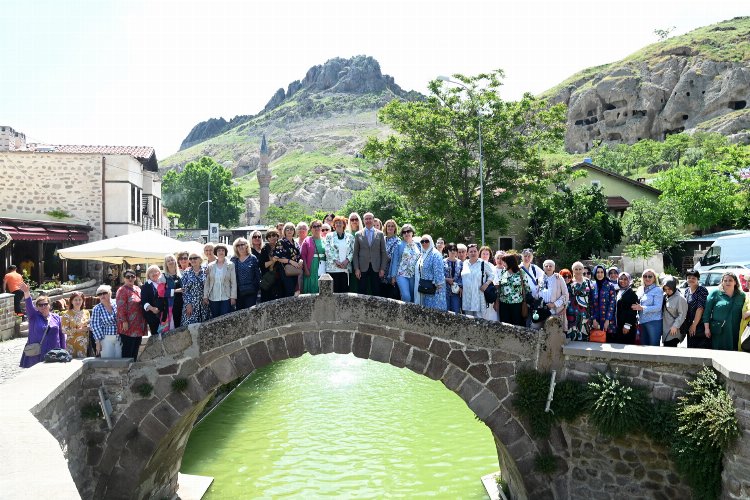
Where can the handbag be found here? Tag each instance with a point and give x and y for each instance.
(598, 336)
(490, 293)
(745, 340)
(268, 280)
(35, 349)
(57, 356)
(291, 271)
(524, 304)
(427, 287)
(455, 288)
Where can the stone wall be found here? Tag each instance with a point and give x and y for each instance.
(601, 467)
(35, 183)
(7, 316)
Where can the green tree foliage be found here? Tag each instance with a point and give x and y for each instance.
(659, 223)
(705, 195)
(291, 212)
(383, 202)
(434, 159)
(184, 191)
(674, 147)
(568, 225)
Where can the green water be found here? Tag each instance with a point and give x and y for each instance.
(335, 426)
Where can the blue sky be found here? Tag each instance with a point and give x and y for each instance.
(143, 72)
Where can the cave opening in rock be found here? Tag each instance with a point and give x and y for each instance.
(684, 117)
(735, 105)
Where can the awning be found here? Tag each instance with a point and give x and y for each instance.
(33, 232)
(617, 203)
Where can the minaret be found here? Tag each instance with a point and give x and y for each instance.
(264, 178)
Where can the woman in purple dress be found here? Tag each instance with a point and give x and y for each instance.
(42, 323)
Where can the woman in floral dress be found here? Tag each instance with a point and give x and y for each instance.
(404, 264)
(75, 326)
(193, 280)
(580, 293)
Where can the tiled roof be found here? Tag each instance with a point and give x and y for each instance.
(140, 152)
(617, 202)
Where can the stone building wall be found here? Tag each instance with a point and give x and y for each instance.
(35, 183)
(7, 316)
(601, 467)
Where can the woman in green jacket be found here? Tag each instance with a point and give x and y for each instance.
(723, 314)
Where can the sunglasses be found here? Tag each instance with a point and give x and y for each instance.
(129, 276)
(102, 293)
(425, 242)
(324, 230)
(407, 231)
(183, 258)
(195, 258)
(256, 237)
(650, 276)
(43, 304)
(315, 227)
(353, 220)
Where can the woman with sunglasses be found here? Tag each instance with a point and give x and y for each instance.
(339, 250)
(355, 224)
(430, 268)
(256, 244)
(650, 300)
(131, 322)
(404, 264)
(247, 270)
(287, 253)
(579, 311)
(104, 325)
(45, 327)
(173, 291)
(314, 258)
(269, 264)
(193, 281)
(220, 290)
(452, 268)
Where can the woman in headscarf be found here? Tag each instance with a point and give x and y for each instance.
(613, 274)
(674, 314)
(603, 298)
(554, 292)
(626, 321)
(430, 267)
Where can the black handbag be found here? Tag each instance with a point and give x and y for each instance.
(268, 280)
(427, 287)
(490, 293)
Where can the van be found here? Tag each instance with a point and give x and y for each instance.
(726, 249)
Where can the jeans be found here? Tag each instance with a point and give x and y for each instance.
(111, 347)
(406, 287)
(453, 300)
(219, 307)
(651, 332)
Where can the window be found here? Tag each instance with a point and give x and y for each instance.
(596, 183)
(713, 255)
(136, 204)
(505, 243)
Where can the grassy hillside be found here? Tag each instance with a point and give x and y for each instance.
(727, 41)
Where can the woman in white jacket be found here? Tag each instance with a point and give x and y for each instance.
(554, 293)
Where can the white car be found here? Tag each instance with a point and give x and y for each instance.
(740, 269)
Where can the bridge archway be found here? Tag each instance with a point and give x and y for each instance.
(477, 360)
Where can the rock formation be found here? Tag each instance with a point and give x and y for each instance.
(669, 89)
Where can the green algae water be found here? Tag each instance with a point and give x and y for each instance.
(336, 426)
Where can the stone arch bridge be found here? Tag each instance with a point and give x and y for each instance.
(140, 456)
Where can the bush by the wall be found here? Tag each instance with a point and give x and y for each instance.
(569, 401)
(662, 423)
(616, 408)
(531, 400)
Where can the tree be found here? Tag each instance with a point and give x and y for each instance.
(385, 203)
(568, 225)
(291, 212)
(705, 195)
(674, 147)
(657, 223)
(184, 191)
(434, 160)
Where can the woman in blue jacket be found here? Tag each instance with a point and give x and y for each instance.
(649, 308)
(430, 268)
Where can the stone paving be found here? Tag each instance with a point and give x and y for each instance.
(10, 357)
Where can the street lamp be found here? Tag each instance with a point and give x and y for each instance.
(443, 78)
(208, 230)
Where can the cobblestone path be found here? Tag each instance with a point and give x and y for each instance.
(10, 356)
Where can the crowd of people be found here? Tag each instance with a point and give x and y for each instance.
(364, 255)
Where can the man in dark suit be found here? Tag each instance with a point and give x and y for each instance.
(369, 256)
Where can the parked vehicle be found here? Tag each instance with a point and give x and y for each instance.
(710, 279)
(725, 250)
(740, 269)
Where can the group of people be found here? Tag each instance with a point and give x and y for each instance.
(364, 255)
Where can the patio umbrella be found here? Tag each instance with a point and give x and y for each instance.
(145, 247)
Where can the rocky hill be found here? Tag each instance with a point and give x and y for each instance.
(700, 80)
(316, 129)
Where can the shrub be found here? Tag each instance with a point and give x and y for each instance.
(545, 463)
(616, 408)
(531, 399)
(91, 411)
(662, 424)
(570, 400)
(145, 389)
(179, 384)
(707, 427)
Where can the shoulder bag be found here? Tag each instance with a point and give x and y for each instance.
(35, 349)
(524, 304)
(292, 271)
(490, 293)
(426, 287)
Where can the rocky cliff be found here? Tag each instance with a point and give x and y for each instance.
(700, 80)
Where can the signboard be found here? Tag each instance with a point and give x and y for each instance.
(213, 232)
(4, 238)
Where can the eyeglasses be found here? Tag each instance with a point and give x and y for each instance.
(315, 226)
(102, 293)
(325, 230)
(183, 258)
(129, 276)
(43, 304)
(425, 242)
(649, 276)
(256, 237)
(587, 273)
(195, 258)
